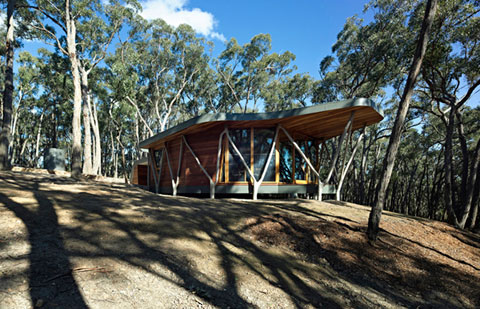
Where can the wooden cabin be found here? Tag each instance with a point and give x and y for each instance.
(253, 153)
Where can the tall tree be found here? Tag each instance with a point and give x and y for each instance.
(153, 70)
(245, 71)
(8, 91)
(394, 141)
(95, 37)
(64, 16)
(450, 78)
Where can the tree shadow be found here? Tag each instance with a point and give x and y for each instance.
(50, 279)
(436, 284)
(467, 238)
(145, 230)
(176, 219)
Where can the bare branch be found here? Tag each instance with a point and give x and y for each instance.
(52, 35)
(140, 115)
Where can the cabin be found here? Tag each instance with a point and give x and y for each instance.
(252, 153)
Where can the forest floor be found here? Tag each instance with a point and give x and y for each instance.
(90, 244)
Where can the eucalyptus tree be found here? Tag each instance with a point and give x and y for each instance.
(94, 39)
(58, 22)
(63, 16)
(42, 115)
(287, 92)
(202, 94)
(154, 68)
(247, 70)
(5, 127)
(366, 58)
(24, 107)
(450, 77)
(394, 141)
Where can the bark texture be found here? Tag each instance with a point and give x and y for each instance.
(8, 91)
(394, 141)
(77, 93)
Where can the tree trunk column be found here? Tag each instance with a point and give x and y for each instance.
(8, 92)
(394, 142)
(77, 95)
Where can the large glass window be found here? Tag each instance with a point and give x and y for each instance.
(236, 169)
(262, 141)
(286, 162)
(292, 166)
(300, 164)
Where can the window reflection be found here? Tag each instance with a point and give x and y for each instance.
(292, 166)
(286, 162)
(236, 169)
(300, 164)
(262, 141)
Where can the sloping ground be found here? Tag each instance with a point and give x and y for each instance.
(72, 244)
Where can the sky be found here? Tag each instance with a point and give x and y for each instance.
(307, 28)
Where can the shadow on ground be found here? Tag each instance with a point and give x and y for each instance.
(181, 240)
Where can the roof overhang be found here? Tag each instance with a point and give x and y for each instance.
(322, 121)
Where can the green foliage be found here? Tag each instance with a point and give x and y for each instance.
(146, 76)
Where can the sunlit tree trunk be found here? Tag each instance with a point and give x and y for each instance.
(77, 93)
(87, 141)
(97, 158)
(394, 142)
(39, 136)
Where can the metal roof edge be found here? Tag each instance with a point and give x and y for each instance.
(263, 116)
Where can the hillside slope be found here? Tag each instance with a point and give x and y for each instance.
(102, 245)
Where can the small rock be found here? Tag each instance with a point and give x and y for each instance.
(40, 302)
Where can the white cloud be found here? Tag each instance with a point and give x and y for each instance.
(174, 13)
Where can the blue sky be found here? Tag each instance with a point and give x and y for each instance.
(307, 28)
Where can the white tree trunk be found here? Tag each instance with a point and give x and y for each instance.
(77, 93)
(87, 142)
(37, 144)
(97, 158)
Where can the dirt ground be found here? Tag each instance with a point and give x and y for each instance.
(66, 244)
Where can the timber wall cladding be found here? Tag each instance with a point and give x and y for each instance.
(141, 173)
(205, 146)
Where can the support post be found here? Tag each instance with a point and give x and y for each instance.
(243, 161)
(148, 174)
(257, 184)
(335, 157)
(212, 184)
(219, 156)
(180, 157)
(174, 185)
(300, 151)
(345, 169)
(219, 153)
(320, 184)
(340, 142)
(157, 187)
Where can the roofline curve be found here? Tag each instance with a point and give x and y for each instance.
(219, 117)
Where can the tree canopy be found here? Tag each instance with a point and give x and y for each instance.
(105, 79)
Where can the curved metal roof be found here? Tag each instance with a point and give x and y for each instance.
(324, 120)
